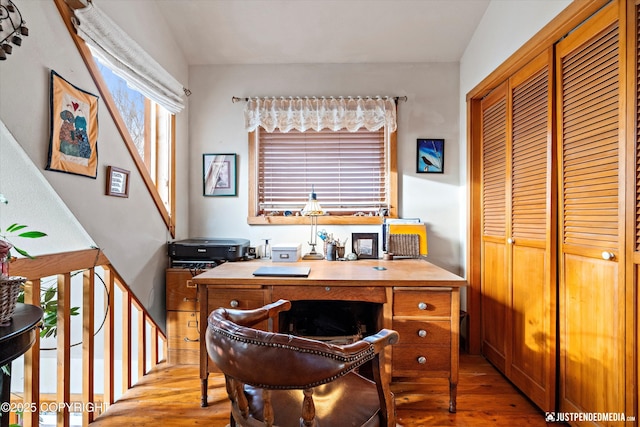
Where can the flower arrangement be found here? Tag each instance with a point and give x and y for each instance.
(328, 238)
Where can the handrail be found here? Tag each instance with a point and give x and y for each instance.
(62, 266)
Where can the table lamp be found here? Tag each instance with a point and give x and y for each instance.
(313, 210)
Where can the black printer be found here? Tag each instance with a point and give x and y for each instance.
(184, 253)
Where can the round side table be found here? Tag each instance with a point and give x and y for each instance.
(15, 340)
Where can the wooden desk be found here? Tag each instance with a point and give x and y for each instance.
(418, 299)
(15, 340)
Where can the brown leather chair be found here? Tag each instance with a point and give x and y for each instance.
(288, 381)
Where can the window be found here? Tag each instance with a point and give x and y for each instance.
(144, 116)
(151, 129)
(352, 173)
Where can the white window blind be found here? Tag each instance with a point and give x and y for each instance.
(347, 170)
(118, 51)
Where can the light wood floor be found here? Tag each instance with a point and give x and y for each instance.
(170, 396)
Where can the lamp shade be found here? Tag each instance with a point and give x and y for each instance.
(312, 208)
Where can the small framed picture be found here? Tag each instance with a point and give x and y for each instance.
(365, 245)
(219, 174)
(430, 156)
(117, 182)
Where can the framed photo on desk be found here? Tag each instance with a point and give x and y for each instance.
(365, 245)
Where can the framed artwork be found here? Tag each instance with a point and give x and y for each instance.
(365, 245)
(430, 156)
(73, 144)
(117, 182)
(219, 174)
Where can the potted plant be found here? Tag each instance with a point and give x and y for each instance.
(48, 302)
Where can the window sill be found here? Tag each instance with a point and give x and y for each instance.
(322, 220)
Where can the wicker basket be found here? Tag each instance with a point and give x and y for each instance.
(9, 291)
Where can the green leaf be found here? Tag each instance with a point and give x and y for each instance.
(22, 252)
(15, 227)
(49, 294)
(32, 234)
(48, 331)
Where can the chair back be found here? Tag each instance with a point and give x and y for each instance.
(256, 362)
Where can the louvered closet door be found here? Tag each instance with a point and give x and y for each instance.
(531, 321)
(494, 288)
(633, 306)
(591, 297)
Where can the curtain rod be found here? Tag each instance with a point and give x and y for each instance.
(235, 99)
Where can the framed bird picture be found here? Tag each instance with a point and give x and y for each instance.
(430, 156)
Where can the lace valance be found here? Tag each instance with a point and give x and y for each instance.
(304, 113)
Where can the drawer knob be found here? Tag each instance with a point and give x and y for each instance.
(422, 333)
(234, 303)
(422, 305)
(422, 360)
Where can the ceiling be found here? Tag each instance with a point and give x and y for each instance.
(322, 31)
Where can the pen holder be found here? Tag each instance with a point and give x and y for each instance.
(331, 252)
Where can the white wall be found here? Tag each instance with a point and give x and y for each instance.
(129, 230)
(216, 126)
(505, 27)
(29, 193)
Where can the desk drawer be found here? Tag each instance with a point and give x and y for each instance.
(412, 360)
(243, 299)
(423, 333)
(182, 293)
(183, 331)
(183, 296)
(376, 294)
(422, 303)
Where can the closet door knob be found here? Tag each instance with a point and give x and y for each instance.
(510, 241)
(606, 255)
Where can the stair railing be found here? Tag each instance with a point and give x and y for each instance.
(149, 351)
